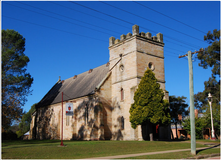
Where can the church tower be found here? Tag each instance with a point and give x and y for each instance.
(130, 56)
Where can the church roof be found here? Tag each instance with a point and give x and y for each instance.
(77, 86)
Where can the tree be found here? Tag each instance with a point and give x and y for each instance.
(24, 125)
(198, 127)
(211, 55)
(216, 118)
(149, 105)
(16, 82)
(178, 107)
(200, 99)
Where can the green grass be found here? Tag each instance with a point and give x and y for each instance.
(207, 140)
(178, 155)
(49, 149)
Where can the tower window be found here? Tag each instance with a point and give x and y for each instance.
(122, 94)
(122, 122)
(151, 66)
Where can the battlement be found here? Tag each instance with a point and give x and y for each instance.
(135, 31)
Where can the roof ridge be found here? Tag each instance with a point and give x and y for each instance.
(85, 72)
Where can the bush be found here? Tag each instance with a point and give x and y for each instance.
(9, 135)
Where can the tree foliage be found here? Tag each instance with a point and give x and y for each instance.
(202, 123)
(216, 118)
(210, 57)
(201, 98)
(149, 104)
(198, 127)
(24, 125)
(178, 106)
(16, 82)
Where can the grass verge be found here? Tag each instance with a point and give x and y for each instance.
(178, 155)
(49, 149)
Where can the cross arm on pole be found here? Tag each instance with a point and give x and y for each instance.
(201, 50)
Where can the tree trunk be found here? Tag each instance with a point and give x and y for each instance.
(151, 131)
(151, 136)
(176, 131)
(171, 132)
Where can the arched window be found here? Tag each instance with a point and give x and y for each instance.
(122, 122)
(122, 94)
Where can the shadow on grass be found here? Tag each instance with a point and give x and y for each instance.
(198, 151)
(32, 143)
(8, 143)
(29, 141)
(172, 140)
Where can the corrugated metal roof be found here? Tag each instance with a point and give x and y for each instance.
(84, 84)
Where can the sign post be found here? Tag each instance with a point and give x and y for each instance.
(62, 120)
(69, 112)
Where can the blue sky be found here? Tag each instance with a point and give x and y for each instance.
(65, 38)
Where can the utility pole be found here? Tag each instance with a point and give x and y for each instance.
(192, 115)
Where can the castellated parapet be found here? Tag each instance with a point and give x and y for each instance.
(135, 30)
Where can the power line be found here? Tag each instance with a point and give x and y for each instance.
(89, 15)
(128, 22)
(176, 44)
(175, 49)
(67, 17)
(151, 21)
(64, 20)
(58, 19)
(71, 18)
(169, 17)
(59, 30)
(55, 29)
(123, 26)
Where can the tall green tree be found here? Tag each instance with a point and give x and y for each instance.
(16, 82)
(216, 118)
(149, 105)
(201, 98)
(210, 57)
(178, 106)
(24, 125)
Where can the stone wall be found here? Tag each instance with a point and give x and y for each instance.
(104, 94)
(85, 124)
(91, 120)
(130, 56)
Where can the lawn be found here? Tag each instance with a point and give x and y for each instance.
(50, 149)
(179, 155)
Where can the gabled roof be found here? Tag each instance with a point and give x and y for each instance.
(27, 133)
(78, 86)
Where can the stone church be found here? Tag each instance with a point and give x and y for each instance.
(102, 96)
